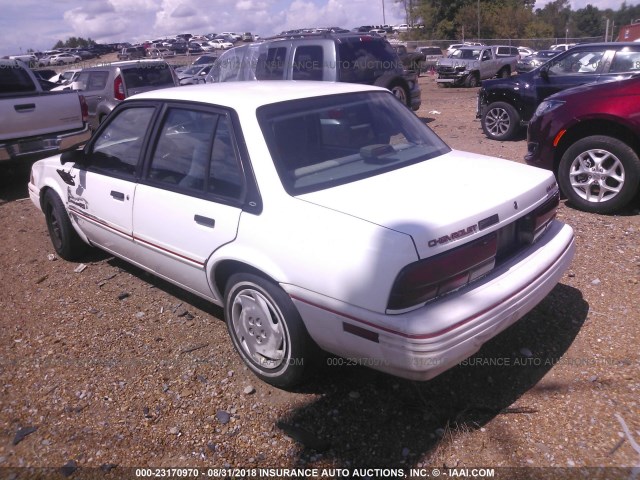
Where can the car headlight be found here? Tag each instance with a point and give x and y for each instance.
(548, 106)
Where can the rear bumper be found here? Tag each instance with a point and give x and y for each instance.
(423, 343)
(44, 145)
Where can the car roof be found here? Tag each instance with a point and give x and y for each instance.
(254, 94)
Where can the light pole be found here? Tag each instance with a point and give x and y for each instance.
(384, 19)
(478, 21)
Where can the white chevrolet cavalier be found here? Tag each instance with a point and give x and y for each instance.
(316, 214)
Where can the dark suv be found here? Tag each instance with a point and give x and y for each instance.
(507, 104)
(589, 137)
(332, 57)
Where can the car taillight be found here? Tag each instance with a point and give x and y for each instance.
(84, 108)
(118, 88)
(534, 224)
(427, 279)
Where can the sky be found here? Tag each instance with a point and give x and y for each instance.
(39, 25)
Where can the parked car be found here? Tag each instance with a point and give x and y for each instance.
(562, 47)
(588, 136)
(247, 37)
(525, 51)
(455, 46)
(342, 57)
(220, 44)
(469, 65)
(63, 59)
(65, 76)
(179, 47)
(161, 53)
(536, 59)
(132, 53)
(272, 192)
(194, 74)
(105, 86)
(431, 57)
(506, 105)
(36, 122)
(378, 31)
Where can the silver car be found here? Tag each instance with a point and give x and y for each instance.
(107, 85)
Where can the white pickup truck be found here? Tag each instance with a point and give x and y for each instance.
(35, 123)
(468, 65)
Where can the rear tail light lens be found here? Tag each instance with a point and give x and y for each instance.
(425, 280)
(84, 108)
(118, 88)
(534, 224)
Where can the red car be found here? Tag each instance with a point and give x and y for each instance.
(590, 137)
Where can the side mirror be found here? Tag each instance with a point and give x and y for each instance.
(72, 156)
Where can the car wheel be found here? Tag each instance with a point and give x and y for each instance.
(504, 73)
(66, 241)
(500, 121)
(599, 174)
(266, 330)
(397, 87)
(472, 80)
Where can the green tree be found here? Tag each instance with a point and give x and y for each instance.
(557, 15)
(587, 22)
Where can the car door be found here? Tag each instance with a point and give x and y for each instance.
(102, 198)
(190, 200)
(570, 69)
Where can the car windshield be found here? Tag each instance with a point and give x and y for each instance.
(323, 142)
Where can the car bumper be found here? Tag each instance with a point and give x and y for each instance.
(34, 147)
(423, 343)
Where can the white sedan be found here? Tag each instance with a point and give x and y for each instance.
(318, 215)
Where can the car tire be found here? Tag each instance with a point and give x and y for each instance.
(267, 330)
(598, 161)
(504, 73)
(66, 241)
(500, 121)
(472, 80)
(397, 86)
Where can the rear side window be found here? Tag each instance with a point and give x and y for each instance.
(307, 63)
(362, 61)
(15, 79)
(625, 60)
(195, 154)
(148, 76)
(271, 64)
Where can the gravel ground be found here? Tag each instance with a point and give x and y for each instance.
(110, 367)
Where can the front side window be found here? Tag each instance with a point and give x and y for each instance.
(195, 154)
(322, 142)
(363, 61)
(583, 61)
(117, 150)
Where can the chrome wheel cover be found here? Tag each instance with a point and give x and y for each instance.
(259, 328)
(497, 121)
(596, 175)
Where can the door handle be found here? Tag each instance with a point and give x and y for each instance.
(25, 107)
(204, 221)
(117, 195)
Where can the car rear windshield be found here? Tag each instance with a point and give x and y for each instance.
(15, 79)
(323, 142)
(148, 75)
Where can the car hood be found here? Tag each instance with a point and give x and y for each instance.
(443, 198)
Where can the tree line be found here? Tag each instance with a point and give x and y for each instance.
(454, 19)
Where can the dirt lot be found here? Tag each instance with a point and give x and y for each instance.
(112, 367)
